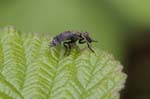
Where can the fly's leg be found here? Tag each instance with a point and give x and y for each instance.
(66, 47)
(70, 46)
(81, 41)
(89, 46)
(69, 50)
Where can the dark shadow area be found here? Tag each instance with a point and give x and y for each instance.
(137, 60)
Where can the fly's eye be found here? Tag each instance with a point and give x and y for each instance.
(85, 34)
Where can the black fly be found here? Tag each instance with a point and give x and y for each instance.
(70, 38)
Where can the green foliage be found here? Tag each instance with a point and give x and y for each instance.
(29, 69)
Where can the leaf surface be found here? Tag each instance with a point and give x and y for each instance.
(29, 69)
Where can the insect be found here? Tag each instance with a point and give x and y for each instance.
(70, 38)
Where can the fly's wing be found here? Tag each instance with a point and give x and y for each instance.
(65, 36)
(69, 36)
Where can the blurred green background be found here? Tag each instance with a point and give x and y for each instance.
(106, 21)
(119, 26)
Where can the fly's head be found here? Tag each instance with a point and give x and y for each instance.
(88, 38)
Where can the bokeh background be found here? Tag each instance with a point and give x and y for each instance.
(122, 28)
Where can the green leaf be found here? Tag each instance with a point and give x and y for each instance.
(29, 69)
